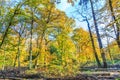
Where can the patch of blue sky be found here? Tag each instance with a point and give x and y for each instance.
(69, 9)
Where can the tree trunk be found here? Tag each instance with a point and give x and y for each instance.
(9, 24)
(18, 51)
(15, 61)
(39, 46)
(37, 53)
(4, 59)
(98, 37)
(117, 29)
(30, 50)
(18, 56)
(93, 45)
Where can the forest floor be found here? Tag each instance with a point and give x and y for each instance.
(87, 73)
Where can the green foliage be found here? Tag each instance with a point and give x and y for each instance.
(53, 49)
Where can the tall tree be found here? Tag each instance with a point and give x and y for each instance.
(98, 36)
(92, 41)
(31, 34)
(19, 32)
(11, 17)
(116, 27)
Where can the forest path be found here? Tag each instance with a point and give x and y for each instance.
(104, 74)
(95, 74)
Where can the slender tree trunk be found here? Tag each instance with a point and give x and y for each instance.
(15, 61)
(98, 37)
(117, 29)
(30, 50)
(36, 61)
(4, 59)
(38, 52)
(93, 45)
(39, 47)
(9, 24)
(6, 32)
(18, 56)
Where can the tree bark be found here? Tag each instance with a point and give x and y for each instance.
(9, 24)
(117, 29)
(4, 59)
(18, 56)
(37, 53)
(30, 50)
(98, 37)
(93, 45)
